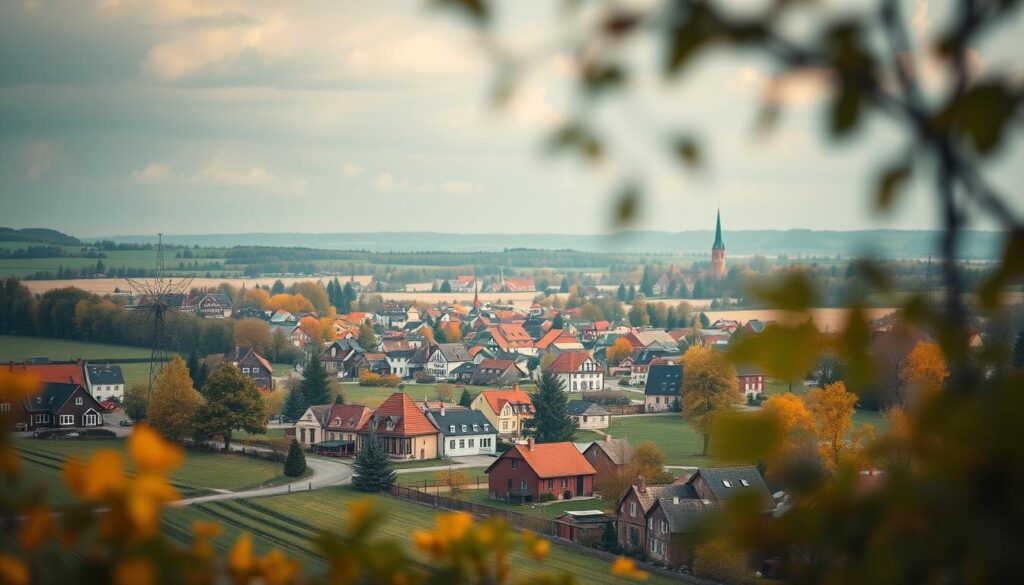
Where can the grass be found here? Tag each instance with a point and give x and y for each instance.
(412, 464)
(418, 477)
(374, 396)
(585, 436)
(17, 348)
(199, 473)
(549, 510)
(288, 522)
(677, 438)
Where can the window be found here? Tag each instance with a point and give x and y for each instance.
(565, 482)
(254, 371)
(451, 444)
(245, 370)
(522, 484)
(476, 428)
(451, 428)
(487, 427)
(67, 419)
(78, 401)
(726, 483)
(745, 483)
(664, 527)
(515, 464)
(632, 508)
(463, 428)
(462, 443)
(5, 407)
(504, 425)
(654, 545)
(650, 523)
(471, 442)
(551, 484)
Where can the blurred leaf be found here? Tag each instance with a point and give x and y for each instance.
(1010, 269)
(793, 291)
(783, 352)
(981, 114)
(504, 86)
(745, 437)
(854, 345)
(688, 151)
(601, 77)
(693, 26)
(890, 183)
(578, 137)
(627, 205)
(476, 10)
(620, 22)
(845, 111)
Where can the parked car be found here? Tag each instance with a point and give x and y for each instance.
(109, 405)
(126, 422)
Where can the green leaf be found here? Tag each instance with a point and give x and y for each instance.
(476, 10)
(981, 114)
(787, 353)
(845, 111)
(626, 207)
(600, 77)
(688, 151)
(1011, 268)
(890, 184)
(694, 26)
(792, 291)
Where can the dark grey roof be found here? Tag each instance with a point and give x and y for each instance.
(682, 513)
(581, 407)
(465, 368)
(740, 479)
(664, 380)
(454, 352)
(53, 396)
(401, 353)
(104, 374)
(459, 417)
(748, 370)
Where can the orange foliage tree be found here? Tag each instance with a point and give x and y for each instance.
(925, 368)
(290, 303)
(832, 408)
(619, 351)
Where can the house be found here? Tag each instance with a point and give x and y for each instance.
(463, 432)
(344, 358)
(537, 472)
(664, 387)
(310, 427)
(464, 373)
(398, 362)
(505, 409)
(608, 456)
(750, 380)
(588, 415)
(281, 317)
(447, 357)
(495, 372)
(669, 521)
(404, 430)
(578, 371)
(646, 337)
(209, 305)
(582, 526)
(47, 372)
(56, 405)
(512, 338)
(717, 484)
(253, 365)
(633, 511)
(341, 430)
(250, 313)
(105, 382)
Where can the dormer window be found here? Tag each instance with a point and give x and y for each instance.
(487, 427)
(476, 428)
(727, 483)
(451, 428)
(745, 483)
(78, 401)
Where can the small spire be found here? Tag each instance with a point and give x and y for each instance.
(719, 244)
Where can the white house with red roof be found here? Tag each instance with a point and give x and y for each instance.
(578, 370)
(505, 409)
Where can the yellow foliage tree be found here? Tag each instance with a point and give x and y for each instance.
(256, 297)
(290, 303)
(925, 368)
(173, 402)
(832, 408)
(452, 333)
(315, 293)
(254, 333)
(796, 428)
(455, 481)
(619, 351)
(709, 388)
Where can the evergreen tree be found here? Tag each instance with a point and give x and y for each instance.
(278, 288)
(466, 399)
(295, 462)
(551, 423)
(315, 387)
(647, 281)
(609, 539)
(339, 398)
(446, 287)
(373, 470)
(367, 338)
(565, 285)
(202, 376)
(1018, 351)
(100, 267)
(631, 293)
(621, 293)
(193, 368)
(294, 405)
(559, 322)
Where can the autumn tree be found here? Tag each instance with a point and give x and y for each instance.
(795, 426)
(254, 333)
(452, 333)
(256, 298)
(315, 293)
(367, 338)
(455, 481)
(619, 351)
(233, 402)
(136, 402)
(173, 401)
(924, 369)
(291, 303)
(649, 461)
(832, 408)
(445, 393)
(709, 388)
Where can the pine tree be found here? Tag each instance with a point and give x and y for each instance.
(609, 539)
(559, 322)
(1018, 351)
(294, 405)
(193, 368)
(466, 399)
(339, 398)
(315, 387)
(565, 285)
(446, 287)
(631, 293)
(551, 423)
(621, 294)
(278, 288)
(373, 470)
(295, 462)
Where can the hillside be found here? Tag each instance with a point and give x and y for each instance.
(37, 235)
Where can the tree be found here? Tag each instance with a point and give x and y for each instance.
(367, 338)
(315, 387)
(277, 288)
(202, 375)
(638, 314)
(619, 351)
(446, 286)
(621, 292)
(451, 333)
(609, 538)
(339, 397)
(796, 429)
(317, 295)
(709, 388)
(565, 285)
(233, 402)
(295, 461)
(466, 400)
(372, 466)
(295, 404)
(136, 402)
(925, 368)
(173, 402)
(649, 461)
(445, 392)
(551, 422)
(455, 480)
(291, 303)
(193, 367)
(721, 562)
(256, 298)
(254, 333)
(833, 408)
(1018, 351)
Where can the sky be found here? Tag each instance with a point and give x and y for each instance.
(125, 117)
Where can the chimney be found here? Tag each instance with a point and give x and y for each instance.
(607, 439)
(442, 409)
(641, 484)
(675, 500)
(529, 443)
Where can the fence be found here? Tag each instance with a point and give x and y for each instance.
(513, 519)
(626, 409)
(432, 486)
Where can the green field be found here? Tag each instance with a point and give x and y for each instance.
(373, 396)
(17, 348)
(22, 267)
(476, 477)
(199, 473)
(677, 438)
(288, 522)
(548, 510)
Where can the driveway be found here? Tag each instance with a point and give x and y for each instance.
(326, 473)
(463, 462)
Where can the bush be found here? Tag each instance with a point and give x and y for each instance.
(567, 495)
(422, 377)
(82, 435)
(546, 497)
(609, 397)
(368, 378)
(623, 381)
(502, 446)
(295, 462)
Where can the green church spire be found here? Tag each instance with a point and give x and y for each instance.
(719, 244)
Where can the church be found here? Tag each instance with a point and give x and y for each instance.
(675, 277)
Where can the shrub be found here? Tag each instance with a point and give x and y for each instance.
(85, 434)
(368, 378)
(567, 495)
(546, 497)
(295, 462)
(422, 377)
(609, 398)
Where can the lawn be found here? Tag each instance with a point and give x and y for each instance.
(17, 348)
(199, 473)
(373, 396)
(677, 438)
(585, 436)
(549, 510)
(414, 463)
(288, 522)
(476, 476)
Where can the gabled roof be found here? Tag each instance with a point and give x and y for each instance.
(496, 364)
(726, 482)
(548, 338)
(56, 373)
(104, 374)
(664, 380)
(54, 395)
(454, 352)
(510, 335)
(348, 417)
(619, 451)
(550, 459)
(682, 513)
(400, 410)
(497, 399)
(239, 353)
(461, 416)
(581, 407)
(569, 362)
(465, 368)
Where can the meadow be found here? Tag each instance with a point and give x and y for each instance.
(17, 348)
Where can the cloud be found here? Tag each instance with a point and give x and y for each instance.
(388, 183)
(38, 157)
(460, 187)
(351, 169)
(384, 182)
(153, 173)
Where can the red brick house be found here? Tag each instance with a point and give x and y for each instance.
(525, 472)
(256, 367)
(56, 405)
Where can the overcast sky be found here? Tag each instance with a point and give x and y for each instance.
(223, 116)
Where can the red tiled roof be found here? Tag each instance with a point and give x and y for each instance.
(496, 399)
(548, 338)
(510, 336)
(568, 362)
(410, 420)
(58, 373)
(348, 417)
(496, 364)
(555, 460)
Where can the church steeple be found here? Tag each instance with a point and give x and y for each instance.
(719, 244)
(718, 251)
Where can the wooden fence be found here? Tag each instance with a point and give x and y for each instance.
(626, 409)
(514, 519)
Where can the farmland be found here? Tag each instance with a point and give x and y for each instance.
(288, 522)
(17, 348)
(199, 473)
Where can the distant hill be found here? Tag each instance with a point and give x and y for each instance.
(979, 245)
(37, 235)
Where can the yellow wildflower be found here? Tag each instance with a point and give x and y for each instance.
(96, 480)
(134, 571)
(454, 525)
(36, 528)
(623, 567)
(240, 559)
(359, 513)
(277, 569)
(204, 530)
(146, 494)
(151, 452)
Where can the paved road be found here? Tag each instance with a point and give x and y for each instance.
(467, 461)
(326, 472)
